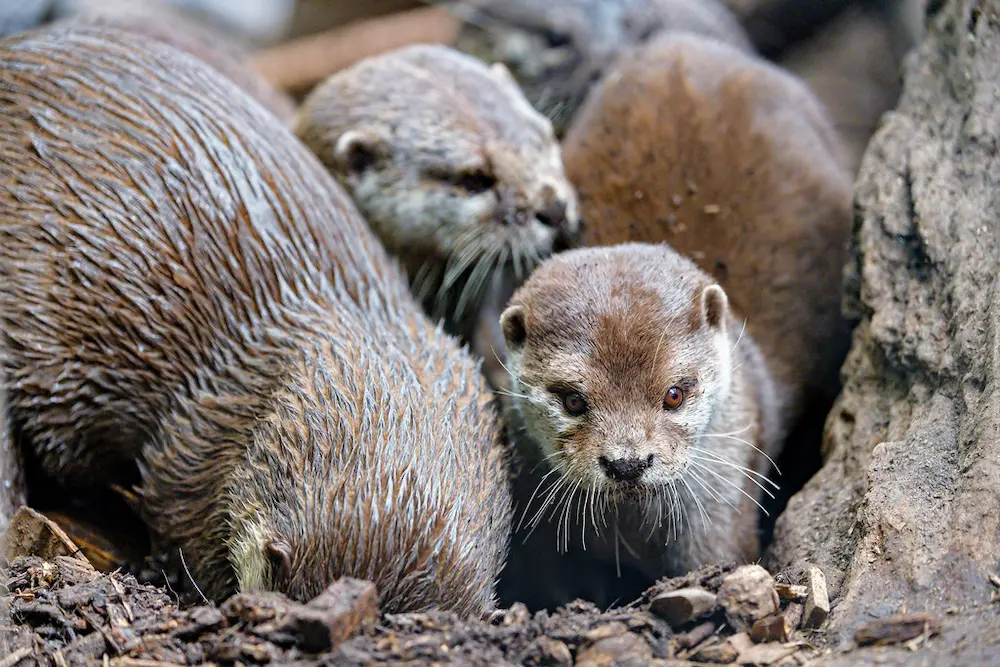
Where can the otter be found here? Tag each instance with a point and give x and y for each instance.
(647, 412)
(461, 179)
(734, 163)
(557, 50)
(188, 299)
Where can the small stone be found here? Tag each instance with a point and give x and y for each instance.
(716, 651)
(765, 654)
(817, 606)
(741, 642)
(553, 652)
(897, 629)
(30, 533)
(615, 651)
(605, 630)
(770, 629)
(682, 606)
(695, 636)
(791, 593)
(747, 594)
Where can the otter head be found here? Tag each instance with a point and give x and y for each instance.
(620, 358)
(450, 165)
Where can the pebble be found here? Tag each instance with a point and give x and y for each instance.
(616, 651)
(747, 594)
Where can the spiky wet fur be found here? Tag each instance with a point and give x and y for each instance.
(181, 284)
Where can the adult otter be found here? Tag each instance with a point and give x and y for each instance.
(557, 50)
(182, 285)
(644, 413)
(459, 176)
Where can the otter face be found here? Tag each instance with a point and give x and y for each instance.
(619, 359)
(455, 171)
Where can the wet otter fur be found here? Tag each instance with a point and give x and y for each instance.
(461, 179)
(183, 287)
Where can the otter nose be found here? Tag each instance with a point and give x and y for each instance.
(625, 470)
(553, 214)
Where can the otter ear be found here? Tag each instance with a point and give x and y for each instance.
(357, 151)
(512, 325)
(714, 306)
(501, 71)
(279, 553)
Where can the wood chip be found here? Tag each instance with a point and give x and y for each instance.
(793, 617)
(896, 629)
(765, 654)
(682, 606)
(770, 629)
(791, 593)
(15, 657)
(717, 651)
(695, 636)
(817, 606)
(32, 534)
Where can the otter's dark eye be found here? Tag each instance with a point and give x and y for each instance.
(474, 181)
(574, 403)
(555, 39)
(674, 398)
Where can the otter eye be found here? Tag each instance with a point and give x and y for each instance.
(674, 398)
(574, 403)
(555, 39)
(474, 181)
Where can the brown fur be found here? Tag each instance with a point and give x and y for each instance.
(558, 49)
(403, 131)
(734, 163)
(621, 325)
(182, 286)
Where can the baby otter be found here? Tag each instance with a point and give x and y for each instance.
(557, 50)
(459, 176)
(734, 163)
(182, 286)
(647, 410)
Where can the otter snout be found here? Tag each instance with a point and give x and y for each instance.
(626, 469)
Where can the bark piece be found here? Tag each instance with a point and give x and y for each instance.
(682, 606)
(770, 629)
(791, 592)
(33, 534)
(615, 650)
(906, 503)
(897, 629)
(747, 594)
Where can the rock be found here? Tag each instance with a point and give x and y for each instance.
(718, 651)
(615, 651)
(906, 503)
(605, 630)
(817, 606)
(790, 592)
(694, 636)
(772, 629)
(747, 594)
(32, 534)
(74, 570)
(682, 606)
(897, 629)
(765, 654)
(545, 651)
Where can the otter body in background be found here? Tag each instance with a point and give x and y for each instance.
(638, 388)
(198, 40)
(458, 175)
(183, 287)
(734, 164)
(557, 50)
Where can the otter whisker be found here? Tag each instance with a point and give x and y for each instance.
(532, 498)
(745, 442)
(742, 429)
(512, 394)
(711, 490)
(743, 471)
(735, 486)
(739, 338)
(706, 519)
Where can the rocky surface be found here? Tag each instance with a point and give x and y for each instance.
(904, 517)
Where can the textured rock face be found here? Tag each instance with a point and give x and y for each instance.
(905, 514)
